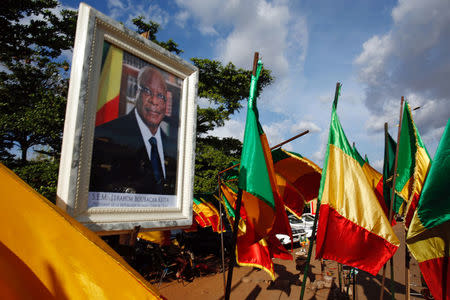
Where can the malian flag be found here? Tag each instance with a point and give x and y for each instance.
(428, 236)
(412, 165)
(390, 148)
(206, 214)
(376, 181)
(353, 228)
(256, 172)
(249, 253)
(374, 178)
(46, 254)
(298, 179)
(109, 86)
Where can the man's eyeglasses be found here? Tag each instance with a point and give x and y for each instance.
(150, 93)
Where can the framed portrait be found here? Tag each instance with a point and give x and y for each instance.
(128, 148)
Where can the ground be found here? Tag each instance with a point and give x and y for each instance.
(251, 283)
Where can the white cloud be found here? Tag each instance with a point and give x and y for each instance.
(267, 27)
(181, 18)
(378, 165)
(410, 60)
(305, 125)
(319, 156)
(232, 128)
(128, 10)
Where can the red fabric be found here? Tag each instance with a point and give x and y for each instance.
(108, 112)
(411, 210)
(308, 185)
(343, 241)
(292, 199)
(277, 249)
(380, 197)
(254, 254)
(436, 272)
(200, 219)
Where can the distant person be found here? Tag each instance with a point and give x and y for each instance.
(131, 154)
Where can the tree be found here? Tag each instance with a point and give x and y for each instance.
(33, 86)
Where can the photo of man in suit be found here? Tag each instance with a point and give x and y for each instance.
(132, 154)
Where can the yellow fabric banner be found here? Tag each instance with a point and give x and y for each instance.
(46, 254)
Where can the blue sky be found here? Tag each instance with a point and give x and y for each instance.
(378, 50)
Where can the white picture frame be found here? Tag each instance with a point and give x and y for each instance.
(82, 191)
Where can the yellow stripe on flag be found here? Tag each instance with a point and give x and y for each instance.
(110, 76)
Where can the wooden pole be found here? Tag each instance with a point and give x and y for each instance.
(407, 271)
(237, 217)
(288, 140)
(221, 236)
(313, 236)
(407, 258)
(272, 148)
(233, 245)
(394, 180)
(386, 141)
(308, 259)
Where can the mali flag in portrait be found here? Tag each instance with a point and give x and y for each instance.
(109, 87)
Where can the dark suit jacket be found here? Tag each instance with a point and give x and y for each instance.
(120, 162)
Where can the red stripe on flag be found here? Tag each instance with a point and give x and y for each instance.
(411, 210)
(436, 272)
(108, 112)
(343, 241)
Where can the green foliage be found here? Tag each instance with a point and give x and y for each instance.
(41, 175)
(33, 87)
(212, 156)
(151, 28)
(225, 87)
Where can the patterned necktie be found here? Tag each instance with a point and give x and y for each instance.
(156, 161)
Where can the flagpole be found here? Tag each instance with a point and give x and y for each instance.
(237, 217)
(272, 148)
(288, 140)
(313, 235)
(221, 236)
(393, 196)
(390, 216)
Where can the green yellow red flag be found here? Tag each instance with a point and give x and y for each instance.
(109, 86)
(46, 254)
(349, 209)
(249, 253)
(390, 149)
(256, 173)
(412, 165)
(428, 236)
(298, 179)
(206, 213)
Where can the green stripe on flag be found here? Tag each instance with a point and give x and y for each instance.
(434, 205)
(253, 173)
